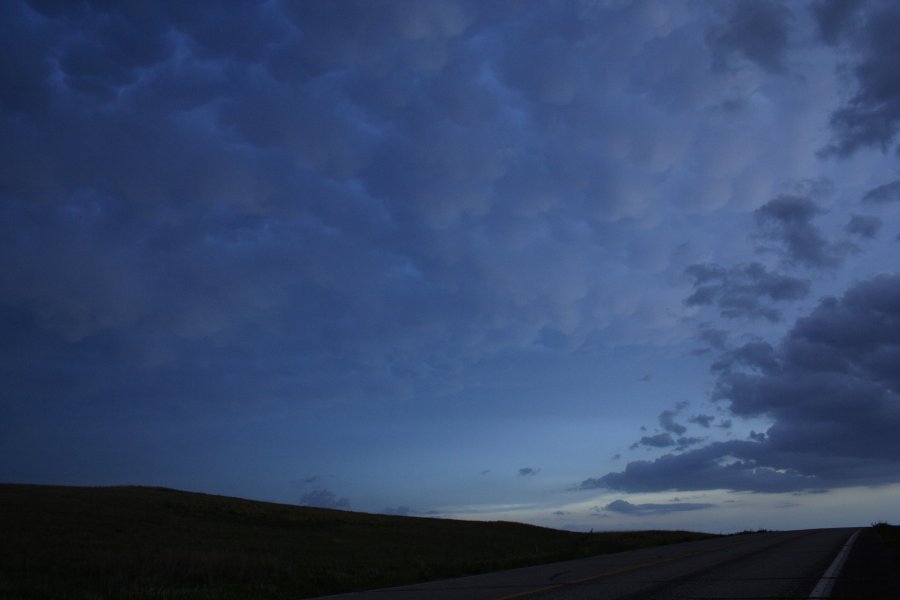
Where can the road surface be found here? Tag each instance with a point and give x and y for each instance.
(783, 565)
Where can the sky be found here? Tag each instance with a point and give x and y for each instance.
(588, 264)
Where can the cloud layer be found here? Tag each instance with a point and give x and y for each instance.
(336, 206)
(320, 237)
(830, 389)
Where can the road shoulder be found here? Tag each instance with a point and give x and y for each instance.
(869, 572)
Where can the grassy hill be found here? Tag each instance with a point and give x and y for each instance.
(890, 535)
(143, 543)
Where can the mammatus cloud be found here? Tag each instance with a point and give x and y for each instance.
(746, 291)
(834, 17)
(334, 163)
(324, 499)
(642, 510)
(830, 387)
(756, 30)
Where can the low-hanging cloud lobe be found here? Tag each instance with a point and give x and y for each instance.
(830, 388)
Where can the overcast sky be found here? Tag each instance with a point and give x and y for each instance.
(587, 264)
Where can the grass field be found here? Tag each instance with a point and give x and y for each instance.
(890, 534)
(143, 543)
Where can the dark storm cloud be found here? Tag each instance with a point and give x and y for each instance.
(865, 226)
(835, 17)
(872, 115)
(788, 221)
(721, 465)
(686, 441)
(668, 423)
(641, 510)
(528, 472)
(830, 390)
(758, 354)
(742, 291)
(702, 420)
(757, 30)
(324, 499)
(660, 440)
(713, 339)
(889, 192)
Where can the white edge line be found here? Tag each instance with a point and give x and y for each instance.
(823, 588)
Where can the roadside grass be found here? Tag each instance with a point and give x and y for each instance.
(155, 543)
(890, 535)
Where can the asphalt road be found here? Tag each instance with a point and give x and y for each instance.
(782, 565)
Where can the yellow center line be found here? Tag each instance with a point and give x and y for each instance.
(618, 571)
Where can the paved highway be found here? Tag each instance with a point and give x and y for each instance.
(782, 565)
